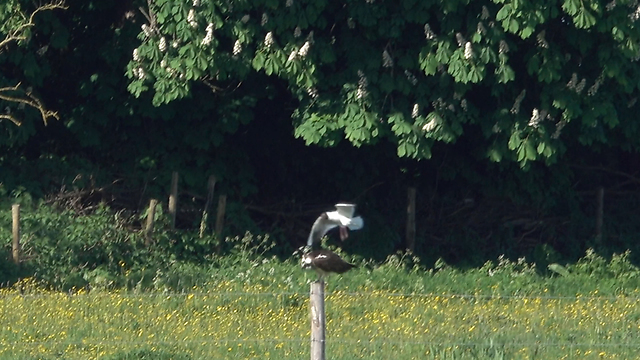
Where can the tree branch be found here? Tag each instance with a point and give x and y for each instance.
(25, 98)
(18, 34)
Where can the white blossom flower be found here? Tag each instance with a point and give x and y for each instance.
(481, 29)
(581, 85)
(245, 19)
(41, 52)
(175, 44)
(503, 48)
(610, 6)
(571, 85)
(541, 41)
(289, 3)
(559, 126)
(516, 105)
(635, 15)
(485, 13)
(196, 3)
(428, 33)
(362, 85)
(313, 92)
(464, 105)
(163, 44)
(146, 30)
(268, 40)
(136, 55)
(163, 63)
(350, 23)
(431, 125)
(416, 111)
(208, 35)
(293, 55)
(141, 73)
(536, 117)
(594, 88)
(304, 50)
(387, 61)
(191, 18)
(237, 48)
(265, 19)
(297, 32)
(460, 39)
(468, 50)
(412, 78)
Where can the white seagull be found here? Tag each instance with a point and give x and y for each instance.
(342, 217)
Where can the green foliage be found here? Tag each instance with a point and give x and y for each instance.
(372, 76)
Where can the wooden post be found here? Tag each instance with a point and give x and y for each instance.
(599, 213)
(173, 199)
(411, 219)
(211, 184)
(222, 208)
(15, 214)
(151, 215)
(316, 304)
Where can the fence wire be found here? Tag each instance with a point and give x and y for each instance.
(207, 322)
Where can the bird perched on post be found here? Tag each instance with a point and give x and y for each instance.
(325, 261)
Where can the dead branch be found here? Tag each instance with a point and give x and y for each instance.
(19, 33)
(27, 98)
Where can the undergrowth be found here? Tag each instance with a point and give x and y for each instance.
(107, 250)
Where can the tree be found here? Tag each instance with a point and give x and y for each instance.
(17, 28)
(529, 77)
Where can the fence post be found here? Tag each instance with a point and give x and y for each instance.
(151, 216)
(222, 208)
(173, 199)
(411, 219)
(15, 215)
(211, 184)
(316, 302)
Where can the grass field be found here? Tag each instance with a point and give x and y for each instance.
(262, 312)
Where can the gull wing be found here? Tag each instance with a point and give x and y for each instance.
(320, 227)
(346, 210)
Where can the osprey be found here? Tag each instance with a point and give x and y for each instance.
(325, 261)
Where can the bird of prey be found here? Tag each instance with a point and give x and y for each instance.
(325, 261)
(342, 217)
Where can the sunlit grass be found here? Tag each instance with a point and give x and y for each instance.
(230, 319)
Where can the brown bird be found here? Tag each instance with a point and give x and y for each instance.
(325, 262)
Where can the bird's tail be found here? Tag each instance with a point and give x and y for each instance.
(356, 223)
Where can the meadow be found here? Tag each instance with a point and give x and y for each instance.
(259, 309)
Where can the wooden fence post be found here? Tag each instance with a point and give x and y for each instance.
(411, 219)
(222, 208)
(173, 199)
(316, 305)
(151, 216)
(15, 215)
(211, 184)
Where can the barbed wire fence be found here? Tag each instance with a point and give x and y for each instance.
(221, 322)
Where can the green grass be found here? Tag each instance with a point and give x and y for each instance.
(259, 309)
